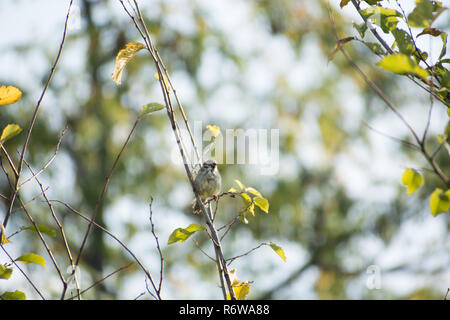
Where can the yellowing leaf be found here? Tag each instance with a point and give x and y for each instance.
(412, 180)
(165, 80)
(253, 191)
(241, 186)
(16, 295)
(215, 130)
(241, 288)
(123, 57)
(9, 94)
(181, 234)
(248, 203)
(10, 131)
(31, 258)
(401, 64)
(3, 238)
(279, 251)
(439, 201)
(262, 203)
(5, 273)
(233, 190)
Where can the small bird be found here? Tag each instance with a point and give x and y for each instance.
(208, 183)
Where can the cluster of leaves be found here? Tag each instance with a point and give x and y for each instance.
(251, 198)
(10, 95)
(405, 58)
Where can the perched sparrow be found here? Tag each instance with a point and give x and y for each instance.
(208, 183)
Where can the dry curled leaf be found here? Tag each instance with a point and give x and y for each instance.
(123, 57)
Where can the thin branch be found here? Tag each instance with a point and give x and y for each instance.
(144, 269)
(101, 280)
(391, 106)
(23, 273)
(161, 273)
(58, 223)
(404, 142)
(230, 260)
(100, 200)
(34, 117)
(48, 162)
(171, 115)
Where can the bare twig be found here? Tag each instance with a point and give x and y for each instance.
(421, 144)
(141, 265)
(48, 162)
(34, 117)
(101, 280)
(23, 273)
(230, 260)
(161, 273)
(171, 115)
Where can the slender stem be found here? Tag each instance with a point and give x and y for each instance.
(34, 117)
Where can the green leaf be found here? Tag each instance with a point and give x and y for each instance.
(375, 48)
(16, 295)
(401, 64)
(42, 229)
(424, 13)
(279, 251)
(361, 28)
(5, 273)
(262, 203)
(31, 258)
(150, 108)
(10, 131)
(243, 218)
(181, 234)
(439, 201)
(404, 42)
(412, 180)
(444, 45)
(367, 13)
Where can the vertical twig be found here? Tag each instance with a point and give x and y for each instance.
(34, 117)
(171, 115)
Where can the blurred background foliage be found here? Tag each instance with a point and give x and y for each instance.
(336, 204)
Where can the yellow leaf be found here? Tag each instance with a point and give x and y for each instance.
(253, 191)
(165, 80)
(215, 130)
(262, 203)
(239, 184)
(10, 131)
(123, 57)
(3, 238)
(241, 288)
(279, 251)
(9, 95)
